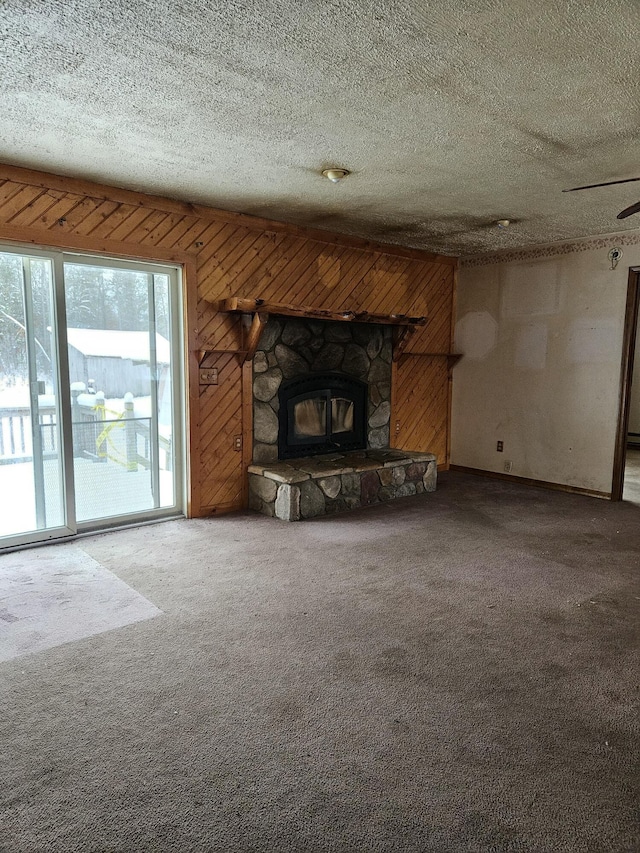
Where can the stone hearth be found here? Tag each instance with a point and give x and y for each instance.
(318, 485)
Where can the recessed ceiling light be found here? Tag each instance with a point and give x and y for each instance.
(335, 174)
(503, 223)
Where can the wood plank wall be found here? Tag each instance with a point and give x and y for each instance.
(225, 254)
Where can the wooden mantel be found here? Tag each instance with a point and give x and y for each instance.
(247, 306)
(261, 309)
(404, 326)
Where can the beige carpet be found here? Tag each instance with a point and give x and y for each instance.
(448, 673)
(55, 595)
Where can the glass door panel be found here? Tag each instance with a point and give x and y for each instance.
(119, 335)
(32, 485)
(165, 402)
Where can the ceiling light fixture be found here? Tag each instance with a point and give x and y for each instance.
(503, 223)
(334, 174)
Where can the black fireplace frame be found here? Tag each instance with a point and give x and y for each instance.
(313, 385)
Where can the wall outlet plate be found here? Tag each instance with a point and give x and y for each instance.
(507, 466)
(500, 446)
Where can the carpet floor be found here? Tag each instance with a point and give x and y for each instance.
(52, 596)
(445, 673)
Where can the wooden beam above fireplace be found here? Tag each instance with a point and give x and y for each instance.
(240, 305)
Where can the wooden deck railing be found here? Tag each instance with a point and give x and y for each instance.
(98, 434)
(16, 437)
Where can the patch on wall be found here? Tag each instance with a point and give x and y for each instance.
(529, 290)
(476, 335)
(594, 342)
(531, 347)
(59, 594)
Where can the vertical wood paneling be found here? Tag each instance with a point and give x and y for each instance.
(229, 255)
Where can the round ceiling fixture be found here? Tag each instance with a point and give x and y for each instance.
(334, 174)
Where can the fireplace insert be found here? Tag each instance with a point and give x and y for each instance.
(321, 413)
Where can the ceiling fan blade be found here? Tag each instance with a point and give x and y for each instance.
(629, 211)
(605, 184)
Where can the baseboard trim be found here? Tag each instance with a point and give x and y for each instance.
(527, 481)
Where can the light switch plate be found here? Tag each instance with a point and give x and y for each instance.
(209, 376)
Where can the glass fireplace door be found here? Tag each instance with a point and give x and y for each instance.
(321, 413)
(310, 417)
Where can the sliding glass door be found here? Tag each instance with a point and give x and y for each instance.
(90, 392)
(33, 488)
(119, 332)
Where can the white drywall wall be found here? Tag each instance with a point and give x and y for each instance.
(541, 336)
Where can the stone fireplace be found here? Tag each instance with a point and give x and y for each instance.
(331, 365)
(321, 421)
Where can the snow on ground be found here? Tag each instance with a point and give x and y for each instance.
(103, 490)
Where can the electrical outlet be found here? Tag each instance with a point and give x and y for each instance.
(237, 442)
(500, 446)
(397, 427)
(507, 466)
(209, 376)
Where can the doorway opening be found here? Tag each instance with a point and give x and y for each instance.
(90, 394)
(626, 465)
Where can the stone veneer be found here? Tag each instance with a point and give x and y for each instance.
(290, 348)
(318, 485)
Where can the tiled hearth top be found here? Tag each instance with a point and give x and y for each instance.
(333, 464)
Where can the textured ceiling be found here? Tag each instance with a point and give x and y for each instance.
(450, 114)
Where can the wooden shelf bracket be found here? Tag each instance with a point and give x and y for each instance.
(401, 337)
(259, 321)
